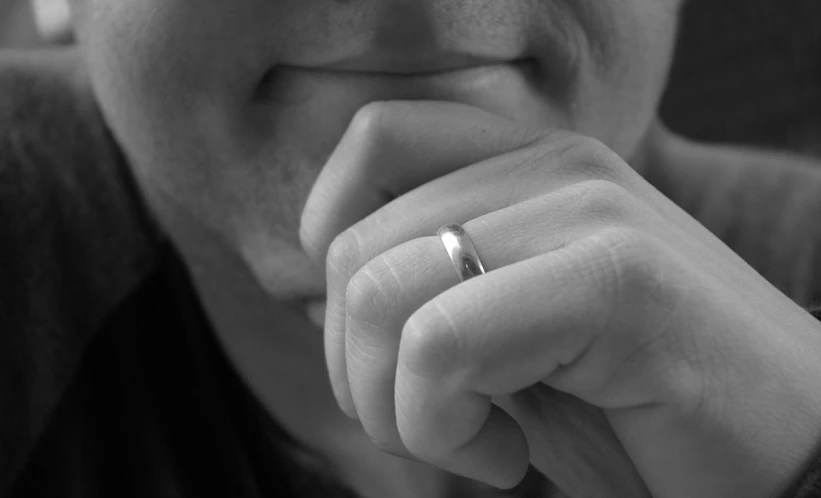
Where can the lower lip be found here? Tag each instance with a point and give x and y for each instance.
(437, 79)
(444, 75)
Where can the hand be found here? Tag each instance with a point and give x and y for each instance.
(614, 342)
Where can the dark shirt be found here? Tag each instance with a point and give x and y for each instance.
(111, 380)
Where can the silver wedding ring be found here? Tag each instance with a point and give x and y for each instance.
(461, 251)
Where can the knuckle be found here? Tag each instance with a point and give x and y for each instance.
(583, 147)
(641, 278)
(370, 115)
(430, 343)
(344, 254)
(631, 257)
(646, 296)
(367, 296)
(592, 156)
(371, 121)
(603, 199)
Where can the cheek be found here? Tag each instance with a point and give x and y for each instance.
(628, 72)
(146, 67)
(168, 57)
(121, 41)
(162, 74)
(175, 85)
(140, 54)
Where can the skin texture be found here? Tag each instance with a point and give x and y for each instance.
(603, 289)
(607, 300)
(218, 130)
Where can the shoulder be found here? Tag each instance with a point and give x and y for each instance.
(71, 222)
(764, 204)
(50, 131)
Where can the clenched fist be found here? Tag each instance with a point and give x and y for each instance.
(613, 342)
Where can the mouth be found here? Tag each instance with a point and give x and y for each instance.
(434, 77)
(518, 88)
(415, 65)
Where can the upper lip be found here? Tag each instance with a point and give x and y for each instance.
(412, 63)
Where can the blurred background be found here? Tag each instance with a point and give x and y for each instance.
(746, 71)
(749, 71)
(17, 24)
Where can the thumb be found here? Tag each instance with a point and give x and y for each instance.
(572, 444)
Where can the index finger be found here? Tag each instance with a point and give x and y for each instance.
(369, 168)
(370, 165)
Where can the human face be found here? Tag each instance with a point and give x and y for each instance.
(228, 109)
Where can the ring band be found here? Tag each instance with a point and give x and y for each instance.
(461, 251)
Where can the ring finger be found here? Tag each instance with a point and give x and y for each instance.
(390, 288)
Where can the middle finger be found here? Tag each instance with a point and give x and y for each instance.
(386, 291)
(484, 187)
